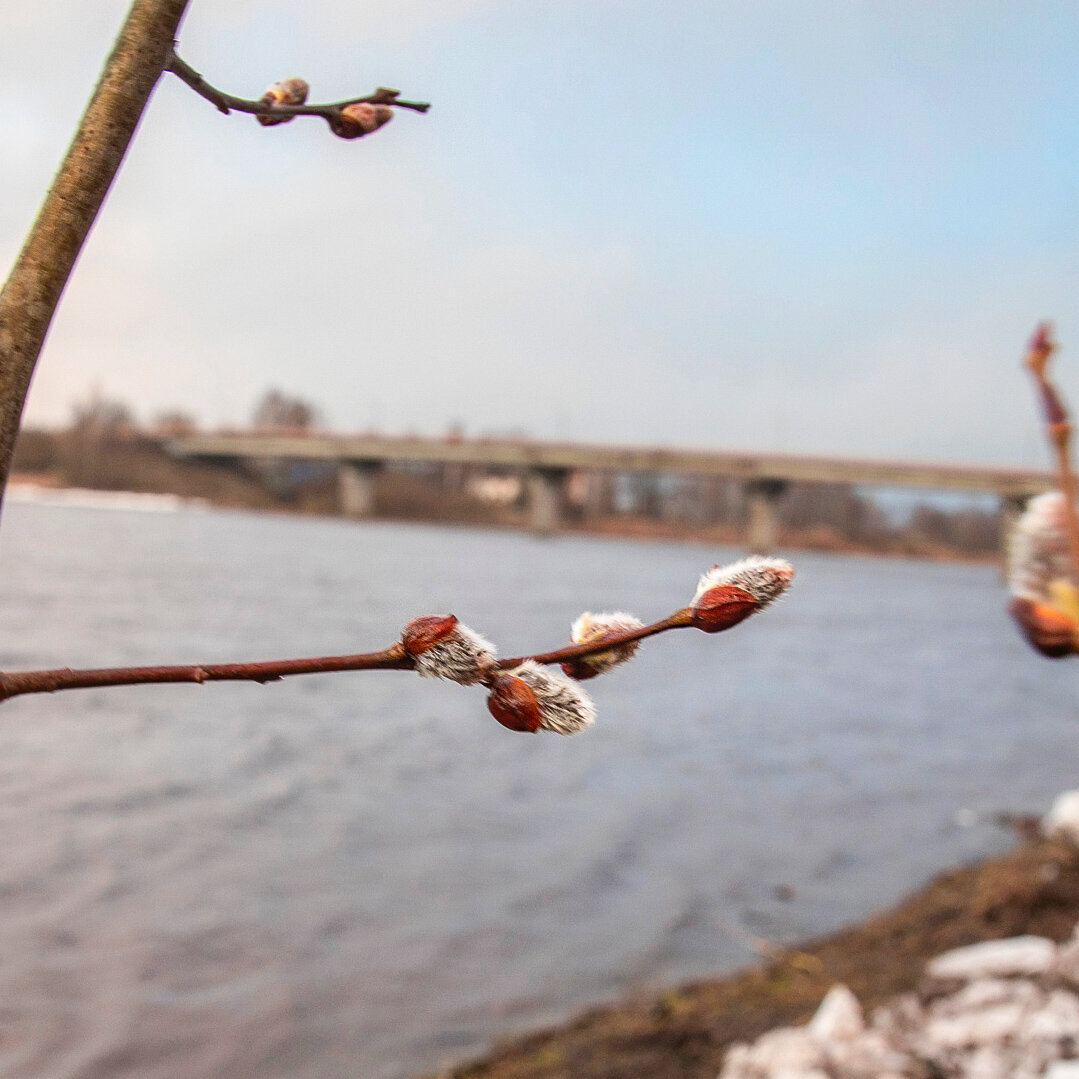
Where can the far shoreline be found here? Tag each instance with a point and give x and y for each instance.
(38, 487)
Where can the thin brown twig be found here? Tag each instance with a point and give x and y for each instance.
(226, 103)
(678, 620)
(394, 658)
(21, 682)
(1059, 430)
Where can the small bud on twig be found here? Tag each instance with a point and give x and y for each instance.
(359, 119)
(1046, 629)
(592, 629)
(721, 607)
(444, 648)
(727, 595)
(531, 698)
(286, 92)
(1039, 350)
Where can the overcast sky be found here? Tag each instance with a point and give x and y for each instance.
(801, 225)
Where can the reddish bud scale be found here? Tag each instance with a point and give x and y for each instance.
(723, 606)
(512, 702)
(422, 634)
(1039, 350)
(359, 119)
(1048, 630)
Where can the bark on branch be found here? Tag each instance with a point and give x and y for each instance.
(32, 292)
(394, 658)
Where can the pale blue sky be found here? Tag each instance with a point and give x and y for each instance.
(809, 226)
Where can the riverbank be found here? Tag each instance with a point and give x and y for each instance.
(401, 497)
(685, 1031)
(818, 517)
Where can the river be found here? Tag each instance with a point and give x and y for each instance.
(363, 875)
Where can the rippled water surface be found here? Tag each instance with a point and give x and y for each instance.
(363, 875)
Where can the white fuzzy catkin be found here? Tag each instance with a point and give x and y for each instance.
(1038, 547)
(463, 657)
(564, 707)
(291, 91)
(765, 579)
(590, 627)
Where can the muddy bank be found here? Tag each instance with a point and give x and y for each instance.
(683, 1032)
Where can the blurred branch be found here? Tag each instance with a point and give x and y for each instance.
(1059, 430)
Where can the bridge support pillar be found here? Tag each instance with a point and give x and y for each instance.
(762, 523)
(356, 487)
(545, 498)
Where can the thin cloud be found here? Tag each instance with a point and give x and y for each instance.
(714, 224)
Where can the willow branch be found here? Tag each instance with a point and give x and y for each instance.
(394, 658)
(439, 646)
(1059, 431)
(227, 103)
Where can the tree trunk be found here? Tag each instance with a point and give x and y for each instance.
(32, 292)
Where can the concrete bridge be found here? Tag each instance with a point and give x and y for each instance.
(545, 466)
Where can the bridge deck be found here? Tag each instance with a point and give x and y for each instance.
(525, 454)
